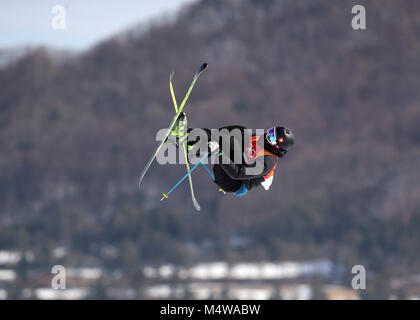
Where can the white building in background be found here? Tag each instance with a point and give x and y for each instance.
(84, 273)
(247, 291)
(7, 275)
(239, 291)
(68, 294)
(251, 281)
(10, 257)
(3, 294)
(242, 271)
(296, 292)
(250, 292)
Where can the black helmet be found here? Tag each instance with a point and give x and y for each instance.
(278, 140)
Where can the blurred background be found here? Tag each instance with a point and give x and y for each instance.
(80, 108)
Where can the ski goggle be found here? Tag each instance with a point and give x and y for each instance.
(271, 136)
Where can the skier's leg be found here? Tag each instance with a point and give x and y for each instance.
(223, 181)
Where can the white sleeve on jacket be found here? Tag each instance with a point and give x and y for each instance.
(267, 183)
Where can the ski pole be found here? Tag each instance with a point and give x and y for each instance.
(211, 175)
(183, 178)
(208, 170)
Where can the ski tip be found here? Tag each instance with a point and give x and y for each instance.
(142, 176)
(196, 205)
(171, 75)
(201, 69)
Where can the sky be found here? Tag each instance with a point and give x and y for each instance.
(29, 22)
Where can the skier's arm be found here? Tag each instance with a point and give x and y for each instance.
(239, 171)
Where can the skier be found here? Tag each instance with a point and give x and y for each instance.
(235, 176)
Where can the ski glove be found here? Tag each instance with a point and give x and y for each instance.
(214, 146)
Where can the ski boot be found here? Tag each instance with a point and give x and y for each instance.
(179, 132)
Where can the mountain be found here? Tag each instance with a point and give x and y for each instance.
(75, 134)
(9, 55)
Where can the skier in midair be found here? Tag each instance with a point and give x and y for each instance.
(234, 176)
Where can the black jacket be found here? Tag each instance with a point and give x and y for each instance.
(230, 176)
